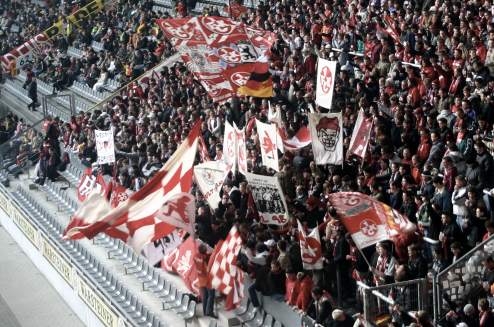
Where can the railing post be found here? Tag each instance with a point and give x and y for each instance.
(366, 304)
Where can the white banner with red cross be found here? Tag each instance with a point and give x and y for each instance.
(326, 75)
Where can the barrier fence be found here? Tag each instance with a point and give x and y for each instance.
(381, 302)
(461, 282)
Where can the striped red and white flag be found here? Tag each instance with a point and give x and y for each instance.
(224, 275)
(137, 216)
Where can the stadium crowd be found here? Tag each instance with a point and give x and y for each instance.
(429, 90)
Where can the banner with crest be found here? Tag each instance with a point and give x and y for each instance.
(220, 53)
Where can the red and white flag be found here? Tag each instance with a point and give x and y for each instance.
(224, 275)
(310, 248)
(360, 136)
(88, 182)
(181, 262)
(326, 131)
(241, 149)
(269, 150)
(297, 142)
(119, 194)
(179, 211)
(137, 216)
(230, 147)
(326, 75)
(203, 150)
(209, 177)
(366, 219)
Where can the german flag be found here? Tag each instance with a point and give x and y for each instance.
(260, 83)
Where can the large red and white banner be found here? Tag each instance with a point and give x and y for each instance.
(90, 182)
(218, 51)
(366, 219)
(269, 149)
(360, 136)
(326, 131)
(137, 216)
(310, 248)
(209, 177)
(230, 147)
(181, 262)
(269, 199)
(326, 76)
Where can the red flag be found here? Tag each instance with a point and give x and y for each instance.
(203, 150)
(390, 29)
(88, 182)
(224, 275)
(297, 142)
(181, 261)
(310, 248)
(366, 219)
(235, 10)
(360, 136)
(137, 215)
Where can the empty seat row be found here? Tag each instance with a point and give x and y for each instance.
(164, 3)
(255, 317)
(74, 52)
(87, 92)
(18, 92)
(97, 46)
(61, 197)
(119, 295)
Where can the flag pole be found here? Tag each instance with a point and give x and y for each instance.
(365, 258)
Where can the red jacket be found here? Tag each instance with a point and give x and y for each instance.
(304, 294)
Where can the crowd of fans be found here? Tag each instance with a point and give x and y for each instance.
(126, 31)
(429, 155)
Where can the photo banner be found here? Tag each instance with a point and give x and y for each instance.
(269, 199)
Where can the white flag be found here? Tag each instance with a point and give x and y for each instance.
(326, 132)
(269, 199)
(310, 248)
(326, 75)
(105, 147)
(241, 149)
(209, 177)
(230, 147)
(269, 149)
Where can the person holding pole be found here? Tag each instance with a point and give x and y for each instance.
(201, 260)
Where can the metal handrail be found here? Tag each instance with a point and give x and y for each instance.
(435, 281)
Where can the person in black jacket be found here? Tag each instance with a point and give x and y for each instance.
(341, 250)
(32, 92)
(320, 307)
(417, 266)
